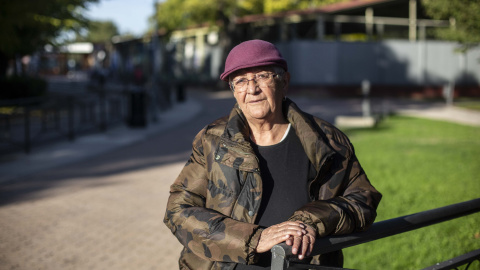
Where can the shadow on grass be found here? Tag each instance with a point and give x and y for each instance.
(357, 131)
(380, 126)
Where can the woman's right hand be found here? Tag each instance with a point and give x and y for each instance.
(279, 233)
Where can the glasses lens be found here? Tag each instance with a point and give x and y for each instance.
(240, 83)
(261, 79)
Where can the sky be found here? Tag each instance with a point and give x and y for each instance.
(129, 15)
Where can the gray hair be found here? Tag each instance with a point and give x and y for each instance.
(279, 70)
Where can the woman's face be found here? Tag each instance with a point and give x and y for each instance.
(261, 101)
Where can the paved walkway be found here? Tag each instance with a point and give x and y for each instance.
(98, 203)
(444, 113)
(53, 155)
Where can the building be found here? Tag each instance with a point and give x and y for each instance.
(338, 46)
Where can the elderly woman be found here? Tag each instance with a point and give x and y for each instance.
(268, 173)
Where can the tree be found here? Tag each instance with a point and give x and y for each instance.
(272, 6)
(177, 14)
(27, 25)
(99, 32)
(466, 14)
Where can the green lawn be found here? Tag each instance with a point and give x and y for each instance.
(468, 103)
(419, 165)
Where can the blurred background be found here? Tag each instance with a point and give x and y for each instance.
(100, 100)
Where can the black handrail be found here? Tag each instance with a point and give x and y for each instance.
(282, 252)
(467, 258)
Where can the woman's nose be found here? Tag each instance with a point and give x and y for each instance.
(252, 87)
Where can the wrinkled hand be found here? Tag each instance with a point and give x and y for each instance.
(279, 233)
(303, 244)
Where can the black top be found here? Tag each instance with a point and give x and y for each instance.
(285, 171)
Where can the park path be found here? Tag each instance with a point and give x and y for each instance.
(105, 212)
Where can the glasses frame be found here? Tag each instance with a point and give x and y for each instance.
(270, 74)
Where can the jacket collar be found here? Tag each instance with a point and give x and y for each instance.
(311, 135)
(237, 129)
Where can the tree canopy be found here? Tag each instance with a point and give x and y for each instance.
(175, 14)
(28, 25)
(466, 13)
(99, 32)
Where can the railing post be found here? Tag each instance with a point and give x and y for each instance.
(7, 132)
(27, 130)
(366, 106)
(279, 257)
(57, 111)
(71, 118)
(44, 120)
(103, 111)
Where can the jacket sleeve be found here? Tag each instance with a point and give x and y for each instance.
(207, 233)
(345, 202)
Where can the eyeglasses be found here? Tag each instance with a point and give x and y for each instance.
(261, 79)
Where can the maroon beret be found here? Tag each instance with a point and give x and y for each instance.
(252, 53)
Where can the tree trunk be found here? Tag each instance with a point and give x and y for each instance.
(3, 65)
(227, 37)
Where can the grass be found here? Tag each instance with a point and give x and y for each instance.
(468, 103)
(419, 165)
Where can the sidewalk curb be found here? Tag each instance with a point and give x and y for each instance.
(449, 114)
(63, 153)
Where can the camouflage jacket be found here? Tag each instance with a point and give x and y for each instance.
(214, 201)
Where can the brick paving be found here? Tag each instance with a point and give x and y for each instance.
(111, 221)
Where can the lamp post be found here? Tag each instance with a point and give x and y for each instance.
(156, 65)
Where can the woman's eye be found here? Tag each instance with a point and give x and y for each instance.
(240, 81)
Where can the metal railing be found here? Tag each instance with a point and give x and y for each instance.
(36, 121)
(282, 254)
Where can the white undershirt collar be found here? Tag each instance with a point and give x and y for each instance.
(286, 132)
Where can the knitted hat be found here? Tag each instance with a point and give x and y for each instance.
(252, 53)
